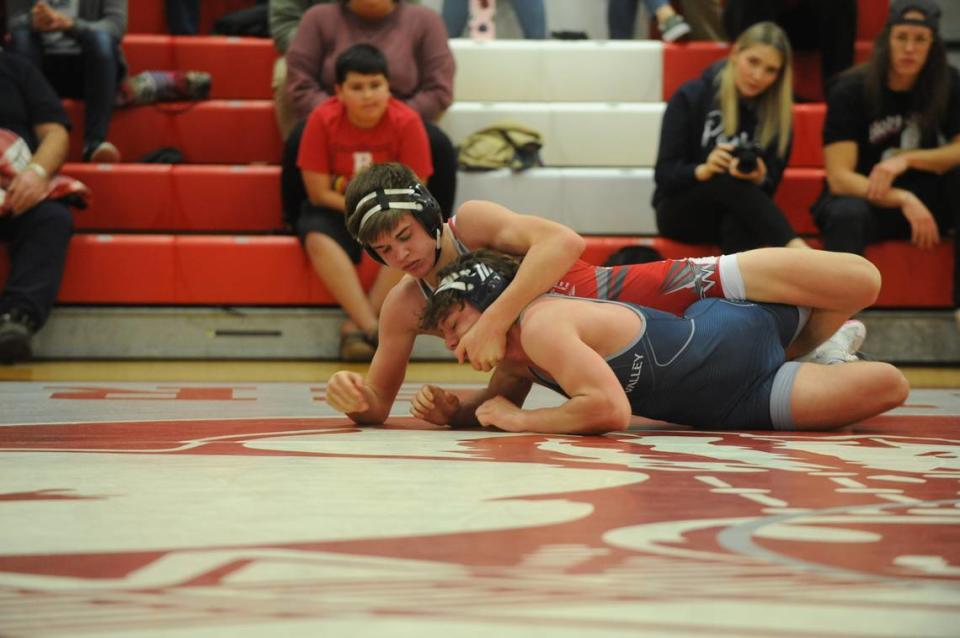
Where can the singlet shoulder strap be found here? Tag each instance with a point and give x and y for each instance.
(457, 242)
(425, 289)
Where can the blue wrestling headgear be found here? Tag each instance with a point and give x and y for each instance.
(478, 284)
(415, 199)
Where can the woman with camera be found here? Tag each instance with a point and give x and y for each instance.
(724, 142)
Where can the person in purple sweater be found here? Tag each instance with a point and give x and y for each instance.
(414, 41)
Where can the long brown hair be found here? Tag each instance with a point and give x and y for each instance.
(931, 92)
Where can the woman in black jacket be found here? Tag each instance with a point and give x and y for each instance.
(724, 142)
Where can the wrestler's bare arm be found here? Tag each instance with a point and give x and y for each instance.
(549, 250)
(597, 403)
(369, 400)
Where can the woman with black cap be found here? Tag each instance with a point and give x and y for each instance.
(892, 142)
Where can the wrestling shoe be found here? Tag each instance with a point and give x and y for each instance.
(842, 347)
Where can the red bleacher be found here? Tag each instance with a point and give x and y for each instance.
(147, 16)
(243, 67)
(164, 197)
(192, 270)
(217, 269)
(208, 132)
(200, 233)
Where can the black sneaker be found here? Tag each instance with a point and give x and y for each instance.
(16, 328)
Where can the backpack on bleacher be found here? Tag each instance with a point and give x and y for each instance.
(501, 145)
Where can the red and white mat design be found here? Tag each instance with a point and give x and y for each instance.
(252, 510)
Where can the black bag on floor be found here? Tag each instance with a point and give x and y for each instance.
(633, 255)
(163, 155)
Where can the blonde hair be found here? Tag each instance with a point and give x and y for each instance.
(775, 105)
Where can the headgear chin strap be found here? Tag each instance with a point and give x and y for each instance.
(415, 199)
(478, 284)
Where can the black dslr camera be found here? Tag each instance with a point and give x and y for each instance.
(747, 153)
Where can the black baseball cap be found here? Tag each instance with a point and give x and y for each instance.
(929, 8)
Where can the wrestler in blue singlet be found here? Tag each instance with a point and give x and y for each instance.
(728, 355)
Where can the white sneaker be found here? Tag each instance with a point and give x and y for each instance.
(842, 347)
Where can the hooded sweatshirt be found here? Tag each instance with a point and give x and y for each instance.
(692, 126)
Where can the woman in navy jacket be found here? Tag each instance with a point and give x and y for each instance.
(724, 142)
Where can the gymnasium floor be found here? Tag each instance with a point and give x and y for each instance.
(237, 504)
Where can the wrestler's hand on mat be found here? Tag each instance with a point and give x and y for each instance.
(483, 345)
(501, 413)
(345, 392)
(435, 405)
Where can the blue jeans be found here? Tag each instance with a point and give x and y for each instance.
(93, 76)
(530, 13)
(37, 241)
(849, 224)
(622, 16)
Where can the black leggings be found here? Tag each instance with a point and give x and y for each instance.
(724, 210)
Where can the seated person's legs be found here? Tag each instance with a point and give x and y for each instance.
(183, 16)
(621, 18)
(738, 15)
(672, 26)
(705, 18)
(455, 15)
(532, 17)
(26, 43)
(950, 182)
(443, 183)
(292, 191)
(102, 72)
(38, 241)
(846, 223)
(681, 216)
(334, 256)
